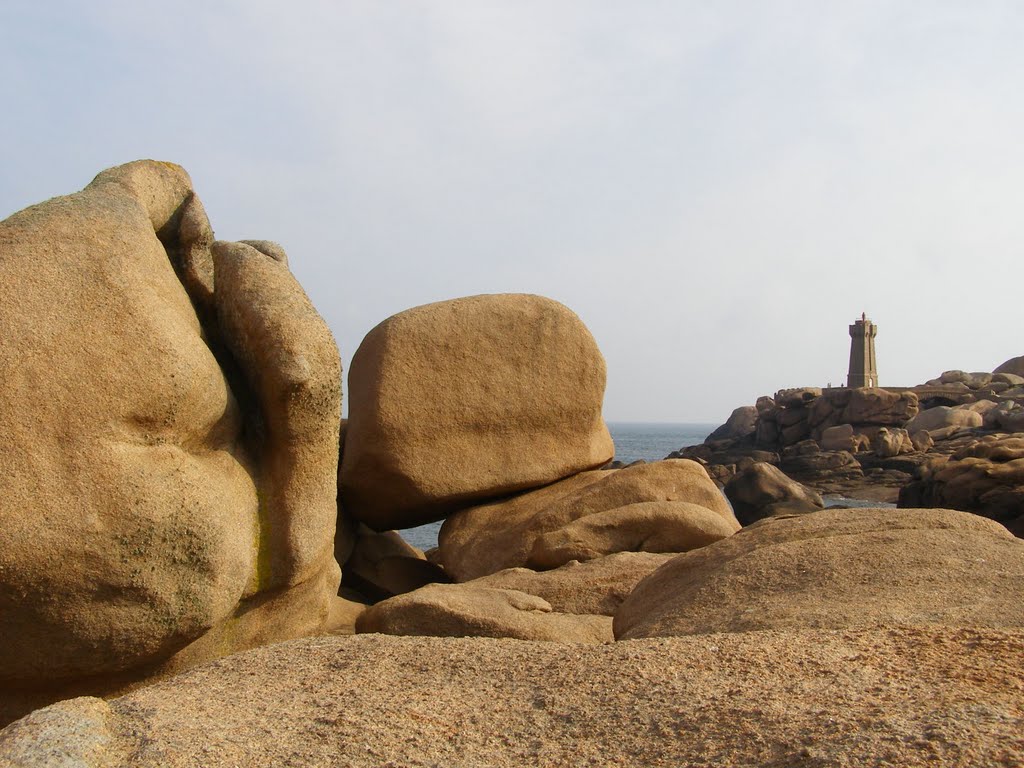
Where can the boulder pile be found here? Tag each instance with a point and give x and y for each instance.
(177, 488)
(897, 624)
(985, 477)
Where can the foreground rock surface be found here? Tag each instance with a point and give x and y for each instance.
(905, 696)
(464, 400)
(837, 569)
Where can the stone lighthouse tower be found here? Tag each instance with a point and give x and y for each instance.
(863, 369)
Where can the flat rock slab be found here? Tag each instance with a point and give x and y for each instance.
(907, 697)
(466, 610)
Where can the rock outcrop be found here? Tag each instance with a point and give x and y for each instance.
(741, 422)
(836, 569)
(170, 408)
(465, 400)
(491, 537)
(842, 437)
(984, 477)
(957, 387)
(1007, 416)
(892, 442)
(795, 415)
(467, 610)
(805, 462)
(865, 443)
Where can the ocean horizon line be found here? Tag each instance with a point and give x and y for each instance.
(667, 423)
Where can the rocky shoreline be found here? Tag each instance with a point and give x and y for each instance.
(201, 564)
(893, 445)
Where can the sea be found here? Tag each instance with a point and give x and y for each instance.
(633, 441)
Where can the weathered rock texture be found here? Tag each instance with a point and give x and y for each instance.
(168, 484)
(901, 696)
(985, 477)
(762, 490)
(491, 537)
(837, 569)
(470, 399)
(595, 586)
(467, 610)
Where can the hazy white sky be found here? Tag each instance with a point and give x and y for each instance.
(717, 188)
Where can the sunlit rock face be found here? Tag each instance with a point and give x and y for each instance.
(170, 411)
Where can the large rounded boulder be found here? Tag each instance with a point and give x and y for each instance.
(170, 408)
(836, 569)
(1014, 366)
(464, 400)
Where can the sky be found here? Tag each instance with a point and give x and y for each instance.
(718, 189)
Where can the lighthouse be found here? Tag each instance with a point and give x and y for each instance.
(863, 369)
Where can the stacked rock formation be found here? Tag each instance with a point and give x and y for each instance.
(486, 412)
(183, 502)
(549, 527)
(169, 406)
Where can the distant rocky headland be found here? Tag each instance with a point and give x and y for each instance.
(200, 564)
(956, 441)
